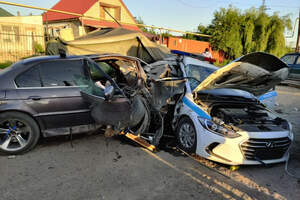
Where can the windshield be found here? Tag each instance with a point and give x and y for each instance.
(196, 74)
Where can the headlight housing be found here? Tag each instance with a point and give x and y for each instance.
(218, 129)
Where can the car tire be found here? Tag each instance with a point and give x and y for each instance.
(19, 133)
(186, 135)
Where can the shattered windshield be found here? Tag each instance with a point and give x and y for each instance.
(196, 74)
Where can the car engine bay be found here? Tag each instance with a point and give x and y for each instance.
(247, 117)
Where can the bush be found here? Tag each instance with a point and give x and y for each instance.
(5, 64)
(222, 64)
(38, 48)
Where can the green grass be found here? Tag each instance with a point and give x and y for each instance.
(5, 64)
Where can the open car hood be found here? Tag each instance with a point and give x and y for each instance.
(256, 73)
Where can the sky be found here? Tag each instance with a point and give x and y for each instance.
(183, 15)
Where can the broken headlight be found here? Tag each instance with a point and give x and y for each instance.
(217, 129)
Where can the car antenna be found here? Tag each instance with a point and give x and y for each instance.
(62, 53)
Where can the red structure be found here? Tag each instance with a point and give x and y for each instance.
(192, 46)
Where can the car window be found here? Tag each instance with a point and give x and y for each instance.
(197, 74)
(61, 73)
(289, 59)
(97, 75)
(30, 78)
(298, 61)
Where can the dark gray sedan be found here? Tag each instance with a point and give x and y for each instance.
(62, 95)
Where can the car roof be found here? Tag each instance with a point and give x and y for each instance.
(55, 57)
(194, 61)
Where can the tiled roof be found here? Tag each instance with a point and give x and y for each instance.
(74, 6)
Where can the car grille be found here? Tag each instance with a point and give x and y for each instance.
(265, 149)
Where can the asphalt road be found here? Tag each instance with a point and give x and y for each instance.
(116, 168)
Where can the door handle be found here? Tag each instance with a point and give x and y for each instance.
(35, 98)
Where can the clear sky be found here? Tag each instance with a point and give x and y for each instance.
(183, 15)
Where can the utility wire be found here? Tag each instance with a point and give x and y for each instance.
(190, 5)
(234, 2)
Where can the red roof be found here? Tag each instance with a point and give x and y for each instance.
(74, 6)
(99, 24)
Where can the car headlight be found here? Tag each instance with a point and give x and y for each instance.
(218, 129)
(291, 134)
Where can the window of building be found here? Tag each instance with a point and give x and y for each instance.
(7, 33)
(114, 11)
(175, 43)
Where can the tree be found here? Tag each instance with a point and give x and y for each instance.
(200, 29)
(139, 20)
(238, 33)
(226, 30)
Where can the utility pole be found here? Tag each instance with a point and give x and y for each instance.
(298, 36)
(263, 7)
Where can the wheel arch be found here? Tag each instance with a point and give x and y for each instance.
(181, 117)
(40, 125)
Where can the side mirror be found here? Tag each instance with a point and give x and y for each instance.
(109, 92)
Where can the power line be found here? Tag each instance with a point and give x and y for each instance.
(190, 5)
(235, 2)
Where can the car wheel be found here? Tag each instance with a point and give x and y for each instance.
(186, 135)
(18, 133)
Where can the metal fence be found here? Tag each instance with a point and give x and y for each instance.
(20, 40)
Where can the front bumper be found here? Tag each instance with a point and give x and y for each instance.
(248, 149)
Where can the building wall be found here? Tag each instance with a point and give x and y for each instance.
(19, 37)
(37, 20)
(94, 11)
(125, 15)
(54, 28)
(192, 46)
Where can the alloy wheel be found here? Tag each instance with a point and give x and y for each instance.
(15, 134)
(187, 135)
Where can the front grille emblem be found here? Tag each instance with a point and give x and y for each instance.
(269, 145)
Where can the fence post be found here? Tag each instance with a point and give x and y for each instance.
(32, 38)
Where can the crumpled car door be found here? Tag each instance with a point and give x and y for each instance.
(118, 111)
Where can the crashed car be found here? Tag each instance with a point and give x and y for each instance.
(58, 95)
(221, 116)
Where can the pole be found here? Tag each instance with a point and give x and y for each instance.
(298, 36)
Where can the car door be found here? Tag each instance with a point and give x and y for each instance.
(118, 111)
(295, 69)
(53, 95)
(290, 60)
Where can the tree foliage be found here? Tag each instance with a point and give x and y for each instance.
(238, 33)
(139, 20)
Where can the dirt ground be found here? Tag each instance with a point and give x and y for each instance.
(99, 168)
